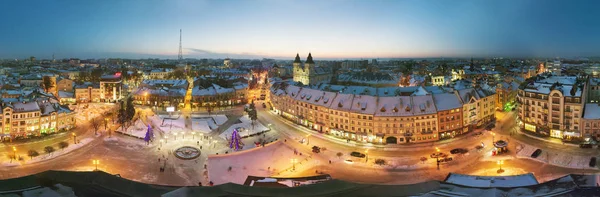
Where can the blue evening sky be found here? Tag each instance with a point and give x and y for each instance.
(282, 28)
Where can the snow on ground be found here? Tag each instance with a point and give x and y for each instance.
(558, 159)
(266, 161)
(248, 129)
(219, 119)
(203, 125)
(59, 152)
(138, 129)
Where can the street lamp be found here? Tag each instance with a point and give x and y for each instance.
(193, 135)
(96, 162)
(493, 136)
(367, 155)
(74, 137)
(293, 163)
(105, 123)
(437, 157)
(15, 153)
(308, 139)
(500, 162)
(175, 135)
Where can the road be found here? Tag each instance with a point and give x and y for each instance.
(133, 159)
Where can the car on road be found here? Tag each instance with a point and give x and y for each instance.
(438, 154)
(478, 134)
(357, 154)
(536, 153)
(585, 145)
(316, 149)
(458, 151)
(593, 162)
(349, 161)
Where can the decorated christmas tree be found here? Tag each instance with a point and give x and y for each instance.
(235, 142)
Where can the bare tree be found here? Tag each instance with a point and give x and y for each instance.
(95, 124)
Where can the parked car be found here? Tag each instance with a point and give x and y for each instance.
(357, 154)
(348, 161)
(458, 151)
(593, 162)
(316, 149)
(536, 153)
(585, 145)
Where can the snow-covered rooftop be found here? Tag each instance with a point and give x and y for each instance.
(492, 181)
(446, 101)
(592, 111)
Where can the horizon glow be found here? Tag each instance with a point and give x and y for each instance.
(280, 29)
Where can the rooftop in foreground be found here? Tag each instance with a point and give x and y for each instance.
(103, 184)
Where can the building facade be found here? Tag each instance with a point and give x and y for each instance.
(307, 73)
(553, 106)
(26, 119)
(387, 119)
(111, 88)
(87, 92)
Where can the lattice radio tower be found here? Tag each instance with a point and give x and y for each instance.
(180, 56)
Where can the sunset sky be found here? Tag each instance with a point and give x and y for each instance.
(329, 29)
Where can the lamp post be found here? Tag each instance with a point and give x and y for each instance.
(105, 123)
(175, 135)
(308, 139)
(15, 153)
(193, 135)
(366, 155)
(437, 157)
(161, 142)
(96, 162)
(293, 163)
(74, 137)
(500, 162)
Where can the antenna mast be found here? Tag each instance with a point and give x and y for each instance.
(180, 56)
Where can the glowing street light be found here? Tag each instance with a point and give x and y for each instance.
(96, 162)
(294, 161)
(308, 139)
(437, 158)
(175, 135)
(15, 153)
(193, 135)
(74, 137)
(500, 162)
(493, 136)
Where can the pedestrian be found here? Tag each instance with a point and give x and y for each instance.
(158, 159)
(198, 142)
(329, 161)
(269, 168)
(200, 184)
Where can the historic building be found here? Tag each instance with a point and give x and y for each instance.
(111, 88)
(382, 115)
(478, 107)
(33, 115)
(309, 74)
(553, 106)
(87, 92)
(506, 94)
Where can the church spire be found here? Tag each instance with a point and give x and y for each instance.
(309, 59)
(297, 60)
